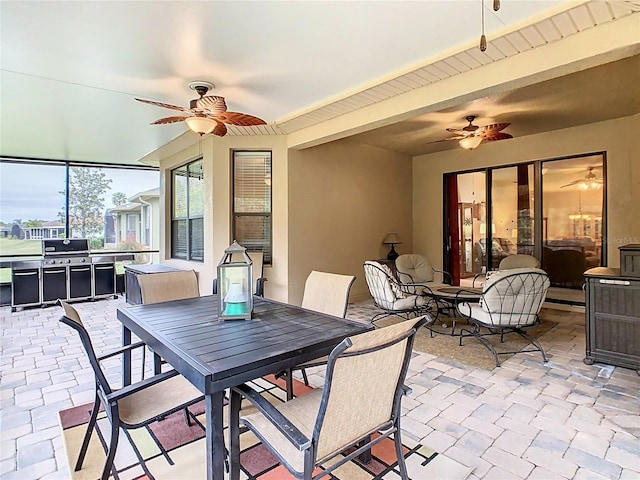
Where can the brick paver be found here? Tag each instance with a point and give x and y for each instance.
(524, 420)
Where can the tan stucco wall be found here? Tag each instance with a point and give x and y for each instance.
(343, 199)
(216, 153)
(618, 138)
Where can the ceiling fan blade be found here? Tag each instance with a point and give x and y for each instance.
(165, 105)
(575, 182)
(496, 127)
(220, 129)
(459, 137)
(166, 120)
(240, 119)
(457, 131)
(492, 135)
(211, 104)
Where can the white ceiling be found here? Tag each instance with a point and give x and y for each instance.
(70, 70)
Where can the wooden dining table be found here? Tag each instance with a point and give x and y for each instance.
(215, 355)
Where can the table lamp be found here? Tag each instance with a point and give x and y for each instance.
(392, 239)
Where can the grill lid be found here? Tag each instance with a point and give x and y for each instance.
(65, 246)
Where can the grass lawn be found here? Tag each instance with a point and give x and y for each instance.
(11, 246)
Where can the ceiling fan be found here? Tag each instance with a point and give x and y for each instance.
(589, 182)
(207, 114)
(473, 135)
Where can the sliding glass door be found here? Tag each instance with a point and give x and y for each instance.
(553, 210)
(573, 218)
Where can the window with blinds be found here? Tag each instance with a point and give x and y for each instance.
(187, 211)
(252, 201)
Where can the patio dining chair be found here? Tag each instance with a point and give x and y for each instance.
(132, 406)
(391, 296)
(510, 301)
(166, 287)
(325, 293)
(362, 393)
(257, 269)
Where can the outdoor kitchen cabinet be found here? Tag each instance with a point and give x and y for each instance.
(25, 289)
(104, 279)
(612, 318)
(54, 284)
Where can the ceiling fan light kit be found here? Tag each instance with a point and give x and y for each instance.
(201, 125)
(469, 143)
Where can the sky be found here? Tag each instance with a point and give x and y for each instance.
(31, 192)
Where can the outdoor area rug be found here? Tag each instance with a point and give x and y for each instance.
(185, 447)
(442, 344)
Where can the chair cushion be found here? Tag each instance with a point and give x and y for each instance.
(417, 267)
(396, 290)
(496, 293)
(519, 261)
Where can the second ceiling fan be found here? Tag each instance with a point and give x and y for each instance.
(471, 136)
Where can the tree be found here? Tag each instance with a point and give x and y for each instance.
(88, 187)
(33, 223)
(119, 198)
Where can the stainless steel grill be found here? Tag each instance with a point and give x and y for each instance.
(65, 251)
(65, 271)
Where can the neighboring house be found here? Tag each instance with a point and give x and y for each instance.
(53, 229)
(133, 221)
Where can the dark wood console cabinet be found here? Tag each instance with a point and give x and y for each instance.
(612, 318)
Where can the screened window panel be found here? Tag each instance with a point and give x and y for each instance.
(196, 190)
(180, 193)
(179, 239)
(187, 224)
(254, 233)
(196, 236)
(252, 201)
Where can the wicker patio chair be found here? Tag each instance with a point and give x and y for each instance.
(132, 406)
(510, 301)
(362, 393)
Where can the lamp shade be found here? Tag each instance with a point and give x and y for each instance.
(469, 143)
(201, 125)
(391, 239)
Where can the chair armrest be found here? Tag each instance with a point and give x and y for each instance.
(260, 286)
(446, 276)
(282, 423)
(136, 387)
(121, 350)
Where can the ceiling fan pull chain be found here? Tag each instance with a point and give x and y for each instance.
(496, 5)
(483, 39)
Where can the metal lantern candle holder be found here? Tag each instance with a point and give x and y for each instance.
(234, 284)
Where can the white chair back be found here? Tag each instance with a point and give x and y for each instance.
(414, 268)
